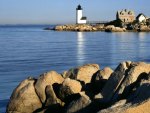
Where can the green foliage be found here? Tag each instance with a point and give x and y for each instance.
(117, 23)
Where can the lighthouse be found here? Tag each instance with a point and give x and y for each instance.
(79, 15)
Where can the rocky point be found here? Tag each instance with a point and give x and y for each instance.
(85, 89)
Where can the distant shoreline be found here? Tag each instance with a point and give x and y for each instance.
(94, 28)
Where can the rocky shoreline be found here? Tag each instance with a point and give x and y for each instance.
(98, 27)
(85, 89)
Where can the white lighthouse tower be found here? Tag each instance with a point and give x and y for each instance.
(79, 16)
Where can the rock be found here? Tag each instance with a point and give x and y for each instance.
(98, 96)
(68, 88)
(73, 85)
(83, 73)
(79, 104)
(119, 103)
(101, 27)
(137, 102)
(129, 108)
(106, 72)
(44, 80)
(114, 81)
(118, 29)
(116, 108)
(51, 98)
(140, 91)
(64, 74)
(59, 28)
(144, 28)
(136, 70)
(112, 28)
(78, 27)
(52, 104)
(139, 108)
(109, 28)
(97, 83)
(94, 29)
(24, 98)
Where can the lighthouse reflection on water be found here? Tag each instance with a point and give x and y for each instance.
(80, 48)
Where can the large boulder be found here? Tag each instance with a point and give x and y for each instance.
(139, 108)
(52, 104)
(144, 28)
(128, 108)
(64, 74)
(106, 72)
(112, 28)
(24, 98)
(73, 85)
(83, 73)
(114, 81)
(46, 79)
(68, 88)
(59, 28)
(97, 83)
(138, 102)
(136, 71)
(79, 104)
(140, 91)
(51, 98)
(118, 29)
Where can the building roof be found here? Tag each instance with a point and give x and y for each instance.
(140, 15)
(79, 7)
(83, 18)
(125, 12)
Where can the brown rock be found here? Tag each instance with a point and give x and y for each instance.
(94, 29)
(114, 81)
(78, 104)
(144, 28)
(24, 98)
(141, 108)
(112, 28)
(76, 27)
(64, 74)
(138, 102)
(118, 29)
(51, 98)
(68, 88)
(129, 108)
(59, 28)
(97, 83)
(140, 91)
(106, 72)
(136, 70)
(83, 73)
(46, 79)
(73, 85)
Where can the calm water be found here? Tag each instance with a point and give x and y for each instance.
(29, 51)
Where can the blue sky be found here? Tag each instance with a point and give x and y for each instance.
(63, 11)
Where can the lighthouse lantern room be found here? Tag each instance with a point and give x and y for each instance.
(79, 16)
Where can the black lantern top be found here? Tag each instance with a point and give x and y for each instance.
(79, 7)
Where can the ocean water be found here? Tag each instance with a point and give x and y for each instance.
(30, 51)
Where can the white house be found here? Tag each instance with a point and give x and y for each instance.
(141, 18)
(79, 16)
